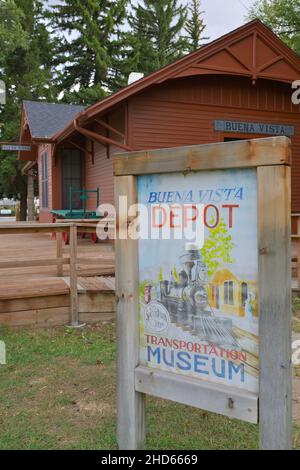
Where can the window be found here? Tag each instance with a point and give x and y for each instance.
(45, 180)
(228, 292)
(244, 293)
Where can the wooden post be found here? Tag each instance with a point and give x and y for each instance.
(59, 254)
(30, 196)
(130, 404)
(298, 250)
(275, 402)
(73, 277)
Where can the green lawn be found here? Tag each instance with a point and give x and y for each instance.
(58, 392)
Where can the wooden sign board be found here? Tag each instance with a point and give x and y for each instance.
(208, 326)
(16, 148)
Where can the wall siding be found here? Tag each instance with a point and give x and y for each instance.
(183, 113)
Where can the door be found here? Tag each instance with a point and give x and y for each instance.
(71, 177)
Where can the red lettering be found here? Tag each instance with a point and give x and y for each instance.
(164, 218)
(216, 218)
(173, 215)
(186, 217)
(230, 207)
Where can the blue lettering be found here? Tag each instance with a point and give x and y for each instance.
(199, 362)
(237, 370)
(184, 359)
(152, 198)
(165, 359)
(220, 374)
(153, 353)
(240, 194)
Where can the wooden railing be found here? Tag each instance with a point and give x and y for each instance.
(73, 261)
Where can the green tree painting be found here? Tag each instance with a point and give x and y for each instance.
(217, 248)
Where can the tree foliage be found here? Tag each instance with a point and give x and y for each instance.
(195, 26)
(88, 52)
(282, 16)
(26, 69)
(156, 36)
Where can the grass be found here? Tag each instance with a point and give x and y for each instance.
(57, 391)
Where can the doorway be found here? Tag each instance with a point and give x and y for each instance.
(71, 164)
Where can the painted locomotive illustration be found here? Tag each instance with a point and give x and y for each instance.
(186, 300)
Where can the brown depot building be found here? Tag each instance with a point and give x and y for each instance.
(236, 87)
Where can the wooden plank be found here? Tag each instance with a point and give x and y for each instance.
(29, 289)
(217, 398)
(130, 403)
(97, 303)
(110, 282)
(275, 405)
(96, 261)
(73, 277)
(93, 285)
(30, 263)
(45, 317)
(96, 271)
(35, 303)
(21, 228)
(240, 154)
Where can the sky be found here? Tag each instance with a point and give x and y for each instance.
(222, 16)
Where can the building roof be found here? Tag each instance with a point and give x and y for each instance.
(252, 50)
(46, 119)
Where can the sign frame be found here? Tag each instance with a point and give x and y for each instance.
(271, 157)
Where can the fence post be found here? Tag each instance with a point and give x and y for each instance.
(59, 254)
(130, 403)
(73, 276)
(275, 400)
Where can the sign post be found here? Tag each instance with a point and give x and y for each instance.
(206, 322)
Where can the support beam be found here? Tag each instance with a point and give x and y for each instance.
(100, 138)
(110, 128)
(30, 196)
(79, 147)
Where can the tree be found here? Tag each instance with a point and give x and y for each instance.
(88, 53)
(12, 34)
(195, 26)
(217, 248)
(26, 69)
(156, 37)
(282, 16)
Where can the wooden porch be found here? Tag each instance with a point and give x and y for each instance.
(44, 282)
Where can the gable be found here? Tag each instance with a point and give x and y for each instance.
(256, 54)
(45, 119)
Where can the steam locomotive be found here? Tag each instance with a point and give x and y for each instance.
(186, 300)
